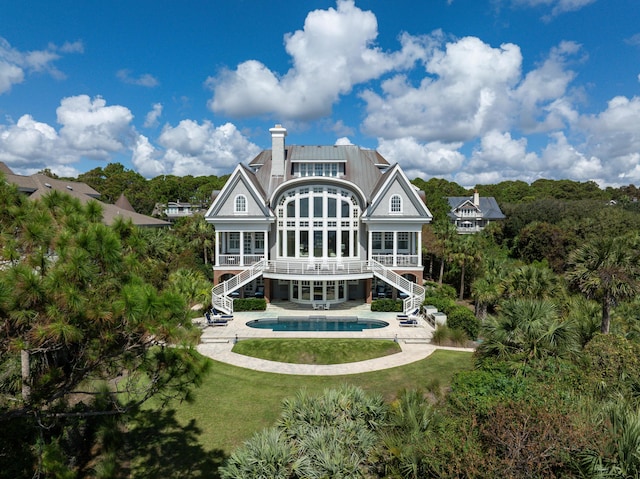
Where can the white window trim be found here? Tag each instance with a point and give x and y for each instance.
(236, 210)
(391, 205)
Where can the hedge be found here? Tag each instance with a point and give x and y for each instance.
(387, 305)
(249, 304)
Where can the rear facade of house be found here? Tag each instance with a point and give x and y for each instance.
(317, 225)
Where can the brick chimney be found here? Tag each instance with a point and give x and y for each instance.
(277, 150)
(476, 198)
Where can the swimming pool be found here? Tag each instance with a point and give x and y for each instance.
(316, 323)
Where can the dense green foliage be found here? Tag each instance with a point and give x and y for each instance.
(88, 319)
(114, 180)
(90, 309)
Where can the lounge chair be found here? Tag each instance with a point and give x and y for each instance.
(415, 314)
(215, 313)
(217, 319)
(409, 322)
(214, 320)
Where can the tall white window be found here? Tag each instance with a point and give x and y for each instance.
(395, 204)
(318, 222)
(241, 204)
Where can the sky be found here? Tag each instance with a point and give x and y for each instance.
(473, 91)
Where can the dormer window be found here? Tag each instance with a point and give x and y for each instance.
(333, 169)
(240, 204)
(395, 204)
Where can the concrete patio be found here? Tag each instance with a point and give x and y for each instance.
(217, 341)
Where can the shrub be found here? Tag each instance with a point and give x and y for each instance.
(462, 318)
(440, 335)
(387, 305)
(458, 336)
(249, 304)
(610, 365)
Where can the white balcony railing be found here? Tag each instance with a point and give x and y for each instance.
(234, 259)
(319, 267)
(401, 259)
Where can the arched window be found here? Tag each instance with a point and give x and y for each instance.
(241, 204)
(395, 204)
(318, 222)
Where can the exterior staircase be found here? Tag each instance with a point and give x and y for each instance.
(220, 299)
(414, 291)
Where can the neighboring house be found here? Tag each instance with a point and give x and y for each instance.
(38, 185)
(318, 225)
(471, 214)
(174, 210)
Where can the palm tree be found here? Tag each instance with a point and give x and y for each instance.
(465, 252)
(533, 281)
(486, 292)
(202, 236)
(445, 233)
(527, 329)
(608, 270)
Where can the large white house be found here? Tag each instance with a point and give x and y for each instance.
(318, 225)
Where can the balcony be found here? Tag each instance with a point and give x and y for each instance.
(233, 260)
(402, 260)
(283, 268)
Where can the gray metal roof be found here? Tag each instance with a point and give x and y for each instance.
(314, 154)
(362, 166)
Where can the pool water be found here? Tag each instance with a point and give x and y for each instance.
(316, 323)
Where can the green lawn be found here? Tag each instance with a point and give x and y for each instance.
(316, 351)
(193, 439)
(233, 402)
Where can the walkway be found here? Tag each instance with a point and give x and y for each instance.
(217, 341)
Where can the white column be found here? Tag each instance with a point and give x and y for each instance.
(266, 245)
(241, 248)
(370, 244)
(419, 247)
(216, 261)
(395, 248)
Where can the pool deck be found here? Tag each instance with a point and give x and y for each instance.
(217, 341)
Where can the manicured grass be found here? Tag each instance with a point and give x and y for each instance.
(316, 351)
(233, 403)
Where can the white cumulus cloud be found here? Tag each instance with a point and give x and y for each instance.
(204, 149)
(333, 52)
(467, 90)
(92, 128)
(422, 159)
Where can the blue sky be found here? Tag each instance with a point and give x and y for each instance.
(474, 91)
